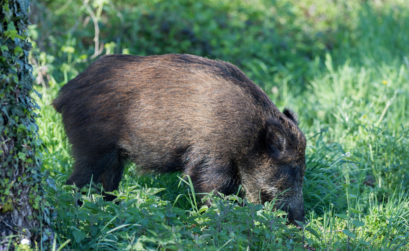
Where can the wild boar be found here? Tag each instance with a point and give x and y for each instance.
(183, 113)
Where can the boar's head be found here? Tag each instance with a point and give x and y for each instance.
(276, 170)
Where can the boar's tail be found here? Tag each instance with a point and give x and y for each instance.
(58, 104)
(64, 95)
(62, 98)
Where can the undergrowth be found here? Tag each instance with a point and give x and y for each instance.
(341, 65)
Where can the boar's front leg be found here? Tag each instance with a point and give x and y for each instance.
(217, 175)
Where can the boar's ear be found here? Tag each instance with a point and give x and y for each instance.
(291, 115)
(275, 138)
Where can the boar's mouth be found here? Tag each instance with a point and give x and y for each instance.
(294, 205)
(294, 208)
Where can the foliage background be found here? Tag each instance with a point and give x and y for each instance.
(341, 65)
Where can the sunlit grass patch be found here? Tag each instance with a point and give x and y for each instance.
(346, 78)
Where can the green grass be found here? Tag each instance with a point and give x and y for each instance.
(343, 66)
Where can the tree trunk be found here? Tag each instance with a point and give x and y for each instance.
(21, 196)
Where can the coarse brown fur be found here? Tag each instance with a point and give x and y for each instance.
(182, 112)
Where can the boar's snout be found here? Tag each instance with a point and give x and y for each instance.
(296, 214)
(294, 206)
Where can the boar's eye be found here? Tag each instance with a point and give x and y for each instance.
(291, 172)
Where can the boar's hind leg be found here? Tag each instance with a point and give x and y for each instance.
(111, 177)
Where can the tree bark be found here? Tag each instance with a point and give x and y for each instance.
(22, 221)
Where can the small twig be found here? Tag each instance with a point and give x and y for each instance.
(97, 47)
